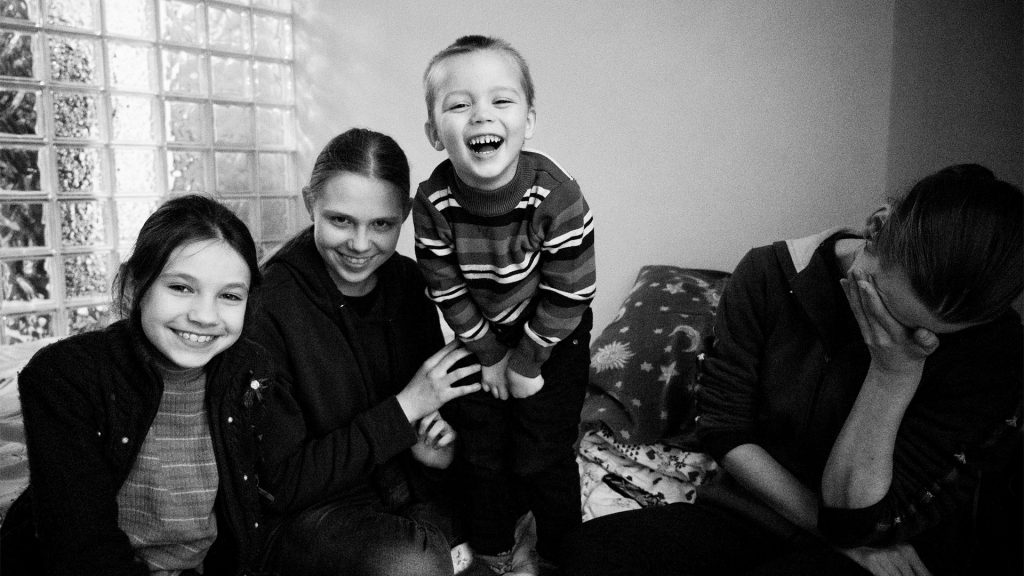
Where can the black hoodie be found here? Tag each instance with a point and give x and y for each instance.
(342, 432)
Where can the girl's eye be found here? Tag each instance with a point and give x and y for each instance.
(458, 106)
(233, 297)
(182, 288)
(383, 225)
(503, 101)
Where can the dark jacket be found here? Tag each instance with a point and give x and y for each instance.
(88, 402)
(788, 363)
(339, 426)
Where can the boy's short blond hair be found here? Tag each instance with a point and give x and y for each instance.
(466, 45)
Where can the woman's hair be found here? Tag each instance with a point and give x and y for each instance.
(177, 222)
(466, 45)
(364, 152)
(957, 236)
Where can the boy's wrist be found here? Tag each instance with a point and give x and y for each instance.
(520, 364)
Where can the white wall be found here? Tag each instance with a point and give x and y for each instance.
(958, 88)
(697, 129)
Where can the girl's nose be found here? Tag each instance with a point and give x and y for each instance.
(203, 311)
(360, 240)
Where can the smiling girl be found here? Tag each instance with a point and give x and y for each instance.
(139, 442)
(347, 320)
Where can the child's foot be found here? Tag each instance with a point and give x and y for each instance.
(522, 559)
(462, 557)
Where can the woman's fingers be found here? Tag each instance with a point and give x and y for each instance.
(849, 285)
(446, 437)
(438, 358)
(427, 421)
(878, 312)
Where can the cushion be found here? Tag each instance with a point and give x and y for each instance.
(643, 364)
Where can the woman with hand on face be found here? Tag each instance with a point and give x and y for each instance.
(141, 439)
(858, 388)
(348, 321)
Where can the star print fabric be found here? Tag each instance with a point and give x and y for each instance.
(643, 365)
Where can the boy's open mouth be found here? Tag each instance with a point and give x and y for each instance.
(485, 144)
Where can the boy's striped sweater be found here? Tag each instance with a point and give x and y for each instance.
(492, 257)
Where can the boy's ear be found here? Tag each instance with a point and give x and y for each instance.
(432, 136)
(875, 222)
(531, 121)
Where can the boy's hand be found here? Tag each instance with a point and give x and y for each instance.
(492, 378)
(522, 386)
(435, 446)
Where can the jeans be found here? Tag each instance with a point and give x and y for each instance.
(362, 539)
(693, 540)
(519, 454)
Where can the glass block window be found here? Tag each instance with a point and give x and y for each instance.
(107, 107)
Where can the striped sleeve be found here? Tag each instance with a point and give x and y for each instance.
(568, 277)
(446, 287)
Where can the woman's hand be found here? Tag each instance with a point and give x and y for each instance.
(894, 348)
(431, 386)
(494, 380)
(520, 386)
(435, 446)
(898, 560)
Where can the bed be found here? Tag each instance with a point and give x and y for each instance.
(637, 447)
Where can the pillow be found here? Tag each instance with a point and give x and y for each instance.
(644, 363)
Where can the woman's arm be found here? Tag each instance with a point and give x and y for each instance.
(909, 453)
(771, 483)
(74, 487)
(859, 469)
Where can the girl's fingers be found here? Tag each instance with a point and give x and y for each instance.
(437, 357)
(456, 375)
(463, 390)
(448, 360)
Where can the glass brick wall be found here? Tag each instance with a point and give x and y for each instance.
(109, 106)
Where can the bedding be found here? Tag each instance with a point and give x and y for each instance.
(637, 447)
(13, 455)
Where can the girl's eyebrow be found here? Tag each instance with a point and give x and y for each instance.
(171, 274)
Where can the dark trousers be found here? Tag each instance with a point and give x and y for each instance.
(362, 538)
(693, 540)
(519, 454)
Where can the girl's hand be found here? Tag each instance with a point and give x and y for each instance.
(436, 445)
(431, 386)
(493, 379)
(520, 386)
(894, 348)
(898, 560)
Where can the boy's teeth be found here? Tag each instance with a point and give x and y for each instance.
(487, 139)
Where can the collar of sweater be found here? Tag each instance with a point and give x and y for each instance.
(494, 202)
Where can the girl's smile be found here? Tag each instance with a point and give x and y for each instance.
(196, 307)
(356, 223)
